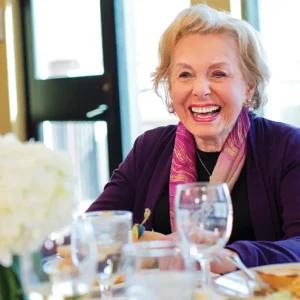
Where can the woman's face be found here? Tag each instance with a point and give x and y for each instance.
(207, 87)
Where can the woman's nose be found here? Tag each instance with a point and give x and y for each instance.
(201, 87)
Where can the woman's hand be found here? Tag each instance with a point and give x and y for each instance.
(148, 236)
(151, 236)
(197, 237)
(220, 264)
(171, 237)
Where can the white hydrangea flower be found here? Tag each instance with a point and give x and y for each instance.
(36, 195)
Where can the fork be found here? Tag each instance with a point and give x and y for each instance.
(261, 288)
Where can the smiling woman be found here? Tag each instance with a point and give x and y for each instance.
(214, 73)
(207, 87)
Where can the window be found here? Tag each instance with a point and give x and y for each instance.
(279, 25)
(68, 40)
(87, 144)
(150, 19)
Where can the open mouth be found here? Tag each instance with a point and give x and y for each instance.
(205, 112)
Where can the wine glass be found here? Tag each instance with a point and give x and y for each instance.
(204, 221)
(112, 229)
(161, 270)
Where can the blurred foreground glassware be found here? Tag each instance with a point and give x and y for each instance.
(160, 270)
(204, 221)
(65, 266)
(75, 278)
(112, 230)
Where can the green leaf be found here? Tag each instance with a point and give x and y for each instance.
(10, 286)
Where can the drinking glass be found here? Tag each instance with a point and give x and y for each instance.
(112, 229)
(204, 221)
(64, 267)
(161, 270)
(74, 277)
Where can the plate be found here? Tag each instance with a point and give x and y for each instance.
(235, 285)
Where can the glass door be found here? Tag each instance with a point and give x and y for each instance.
(72, 85)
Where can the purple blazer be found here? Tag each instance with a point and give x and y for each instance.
(273, 180)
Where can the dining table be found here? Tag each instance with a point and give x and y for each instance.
(120, 293)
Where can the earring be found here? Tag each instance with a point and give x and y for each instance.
(248, 104)
(171, 108)
(252, 103)
(250, 108)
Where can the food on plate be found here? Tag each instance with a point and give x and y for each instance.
(66, 264)
(294, 287)
(279, 295)
(283, 283)
(277, 282)
(203, 295)
(119, 279)
(64, 251)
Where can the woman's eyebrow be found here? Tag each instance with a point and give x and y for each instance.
(183, 65)
(219, 65)
(213, 66)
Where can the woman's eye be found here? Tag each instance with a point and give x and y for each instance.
(184, 75)
(219, 74)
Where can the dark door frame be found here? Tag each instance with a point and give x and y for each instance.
(36, 114)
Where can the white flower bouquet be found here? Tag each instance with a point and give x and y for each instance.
(36, 195)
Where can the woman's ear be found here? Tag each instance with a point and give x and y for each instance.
(250, 91)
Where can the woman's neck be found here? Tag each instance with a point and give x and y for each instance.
(211, 144)
(209, 147)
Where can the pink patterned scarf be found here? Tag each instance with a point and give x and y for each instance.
(227, 169)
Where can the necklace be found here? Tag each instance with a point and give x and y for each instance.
(202, 163)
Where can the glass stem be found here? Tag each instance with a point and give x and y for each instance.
(205, 272)
(106, 292)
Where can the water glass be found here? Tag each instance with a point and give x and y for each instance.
(75, 278)
(112, 229)
(64, 267)
(161, 270)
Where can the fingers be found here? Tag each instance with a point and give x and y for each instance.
(171, 237)
(221, 264)
(198, 235)
(173, 262)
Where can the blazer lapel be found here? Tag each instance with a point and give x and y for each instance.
(159, 180)
(259, 204)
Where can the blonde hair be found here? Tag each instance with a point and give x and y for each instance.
(203, 19)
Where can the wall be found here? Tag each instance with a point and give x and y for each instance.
(12, 103)
(5, 125)
(18, 123)
(219, 4)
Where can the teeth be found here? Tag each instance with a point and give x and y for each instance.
(205, 109)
